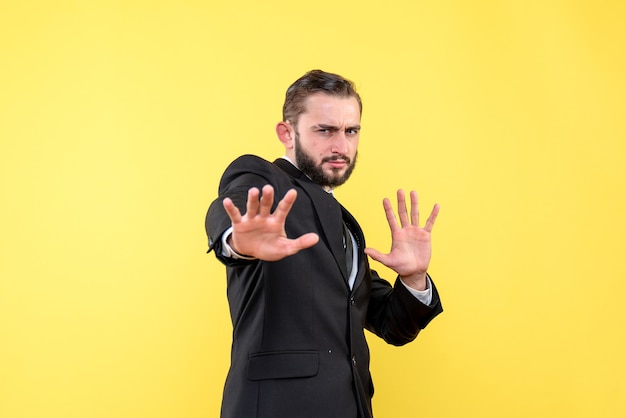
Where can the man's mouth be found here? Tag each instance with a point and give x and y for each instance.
(337, 162)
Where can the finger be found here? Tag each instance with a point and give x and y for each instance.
(375, 254)
(231, 210)
(404, 217)
(415, 213)
(252, 206)
(305, 241)
(285, 204)
(391, 216)
(430, 222)
(267, 199)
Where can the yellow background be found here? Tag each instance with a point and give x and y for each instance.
(118, 117)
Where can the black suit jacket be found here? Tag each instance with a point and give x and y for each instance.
(299, 348)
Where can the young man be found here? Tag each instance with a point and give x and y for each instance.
(300, 288)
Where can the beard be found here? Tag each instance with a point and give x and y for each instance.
(315, 172)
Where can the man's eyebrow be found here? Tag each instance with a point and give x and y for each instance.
(324, 126)
(336, 128)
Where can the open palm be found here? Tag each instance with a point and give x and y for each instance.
(260, 233)
(410, 244)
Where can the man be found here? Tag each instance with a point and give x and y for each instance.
(300, 287)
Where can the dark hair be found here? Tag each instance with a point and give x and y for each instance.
(316, 81)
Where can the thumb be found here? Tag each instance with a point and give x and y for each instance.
(307, 240)
(375, 254)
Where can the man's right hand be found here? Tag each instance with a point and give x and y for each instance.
(261, 234)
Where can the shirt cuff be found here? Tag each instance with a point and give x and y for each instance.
(227, 250)
(425, 296)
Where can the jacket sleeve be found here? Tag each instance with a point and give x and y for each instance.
(240, 176)
(395, 315)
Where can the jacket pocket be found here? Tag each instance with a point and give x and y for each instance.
(283, 364)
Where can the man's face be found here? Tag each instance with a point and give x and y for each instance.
(326, 139)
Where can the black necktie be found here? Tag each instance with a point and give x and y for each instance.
(347, 245)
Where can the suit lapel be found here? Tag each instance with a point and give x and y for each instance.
(328, 210)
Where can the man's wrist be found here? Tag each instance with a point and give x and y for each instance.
(228, 250)
(416, 281)
(425, 296)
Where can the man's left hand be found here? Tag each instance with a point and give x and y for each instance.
(410, 244)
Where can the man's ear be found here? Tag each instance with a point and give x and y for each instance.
(285, 134)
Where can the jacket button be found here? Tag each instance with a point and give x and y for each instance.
(352, 301)
(354, 360)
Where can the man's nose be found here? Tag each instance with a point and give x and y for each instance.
(340, 143)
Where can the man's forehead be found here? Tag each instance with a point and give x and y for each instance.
(324, 97)
(330, 106)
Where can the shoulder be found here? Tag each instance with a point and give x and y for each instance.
(249, 164)
(248, 161)
(252, 170)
